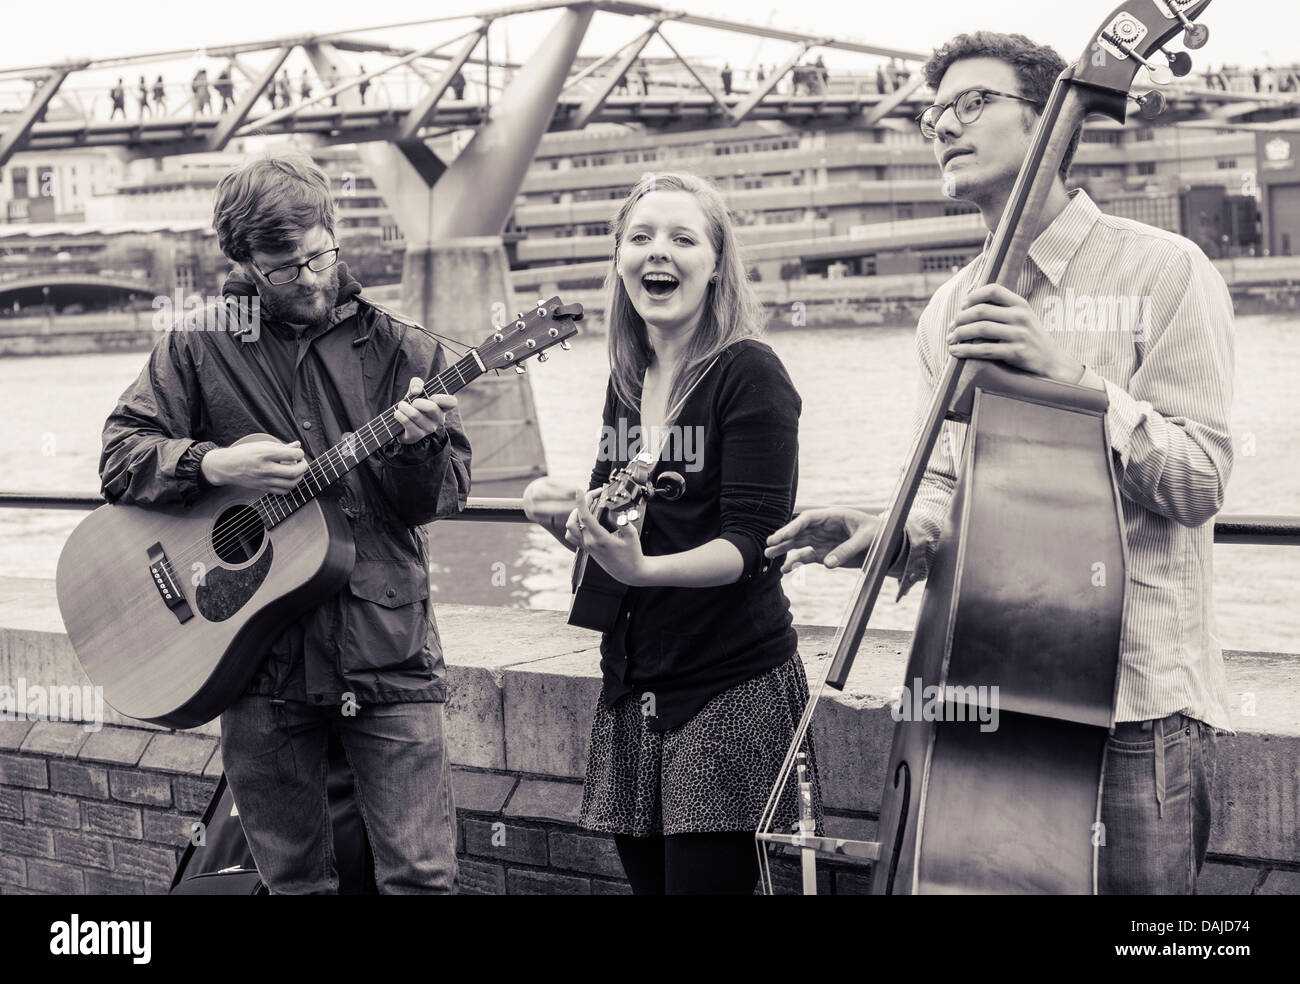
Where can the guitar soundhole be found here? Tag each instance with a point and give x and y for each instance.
(237, 535)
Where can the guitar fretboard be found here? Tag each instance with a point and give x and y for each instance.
(357, 447)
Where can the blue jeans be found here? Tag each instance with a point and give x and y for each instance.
(1155, 806)
(276, 761)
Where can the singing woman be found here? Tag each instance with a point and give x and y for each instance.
(702, 683)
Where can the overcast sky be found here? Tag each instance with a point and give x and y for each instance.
(1241, 31)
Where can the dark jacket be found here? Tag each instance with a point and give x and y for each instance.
(207, 385)
(684, 646)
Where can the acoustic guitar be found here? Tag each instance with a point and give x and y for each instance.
(171, 608)
(597, 595)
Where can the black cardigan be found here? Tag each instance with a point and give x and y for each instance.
(683, 646)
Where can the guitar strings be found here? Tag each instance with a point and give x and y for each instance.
(332, 457)
(225, 535)
(231, 532)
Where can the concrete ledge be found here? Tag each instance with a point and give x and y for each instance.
(523, 685)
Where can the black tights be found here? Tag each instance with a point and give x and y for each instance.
(723, 863)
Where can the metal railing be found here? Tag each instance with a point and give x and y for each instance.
(1228, 528)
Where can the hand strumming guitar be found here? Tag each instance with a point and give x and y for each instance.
(266, 466)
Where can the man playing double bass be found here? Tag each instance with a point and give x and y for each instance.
(1164, 357)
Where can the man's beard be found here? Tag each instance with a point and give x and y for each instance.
(294, 306)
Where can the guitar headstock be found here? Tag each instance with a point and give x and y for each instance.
(532, 332)
(1133, 37)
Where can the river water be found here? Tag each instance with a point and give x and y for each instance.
(857, 385)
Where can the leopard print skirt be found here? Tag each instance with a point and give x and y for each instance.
(714, 773)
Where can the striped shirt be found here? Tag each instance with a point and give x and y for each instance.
(1150, 317)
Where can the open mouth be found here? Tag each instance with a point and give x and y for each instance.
(659, 284)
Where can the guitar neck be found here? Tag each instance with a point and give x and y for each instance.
(356, 447)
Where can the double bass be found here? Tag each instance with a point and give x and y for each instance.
(1023, 612)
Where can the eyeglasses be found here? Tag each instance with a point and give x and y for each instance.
(287, 274)
(968, 104)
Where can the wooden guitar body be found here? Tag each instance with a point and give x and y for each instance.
(155, 667)
(597, 596)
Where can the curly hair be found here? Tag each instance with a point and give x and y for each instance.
(266, 205)
(1036, 67)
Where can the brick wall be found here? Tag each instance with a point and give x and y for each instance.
(98, 813)
(110, 812)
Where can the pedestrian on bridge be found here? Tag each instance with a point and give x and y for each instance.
(285, 88)
(305, 86)
(331, 82)
(458, 87)
(363, 84)
(202, 98)
(118, 95)
(726, 79)
(142, 94)
(225, 89)
(160, 96)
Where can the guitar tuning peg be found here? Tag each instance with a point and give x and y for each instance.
(566, 346)
(1151, 104)
(541, 356)
(1180, 62)
(1159, 74)
(520, 369)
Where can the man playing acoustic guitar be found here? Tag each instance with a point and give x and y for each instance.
(319, 361)
(1168, 378)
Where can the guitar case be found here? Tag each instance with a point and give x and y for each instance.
(223, 864)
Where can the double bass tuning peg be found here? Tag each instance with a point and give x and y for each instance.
(1194, 35)
(1151, 104)
(1180, 62)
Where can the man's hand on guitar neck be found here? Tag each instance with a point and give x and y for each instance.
(266, 466)
(421, 416)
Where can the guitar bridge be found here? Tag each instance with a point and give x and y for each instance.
(164, 579)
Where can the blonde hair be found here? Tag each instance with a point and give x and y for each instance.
(731, 309)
